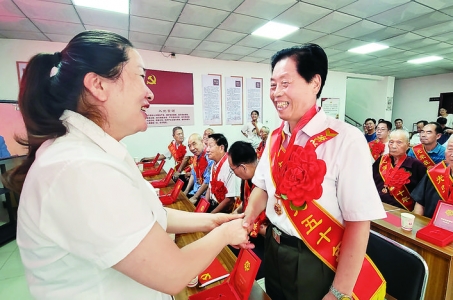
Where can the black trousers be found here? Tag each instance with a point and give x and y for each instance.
(292, 271)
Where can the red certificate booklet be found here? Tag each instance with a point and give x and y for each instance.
(213, 273)
(440, 230)
(203, 205)
(239, 284)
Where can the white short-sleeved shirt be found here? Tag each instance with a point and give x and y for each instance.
(415, 139)
(83, 208)
(229, 179)
(252, 136)
(449, 120)
(349, 192)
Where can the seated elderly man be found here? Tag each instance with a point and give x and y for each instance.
(223, 185)
(396, 174)
(435, 185)
(201, 169)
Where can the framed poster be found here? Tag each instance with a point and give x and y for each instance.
(233, 100)
(331, 107)
(254, 91)
(212, 99)
(20, 65)
(173, 103)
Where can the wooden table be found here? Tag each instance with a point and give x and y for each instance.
(438, 259)
(226, 257)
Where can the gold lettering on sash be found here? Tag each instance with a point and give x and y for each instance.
(440, 178)
(311, 223)
(336, 251)
(323, 235)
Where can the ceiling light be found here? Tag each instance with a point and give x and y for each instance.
(121, 6)
(368, 48)
(274, 30)
(424, 59)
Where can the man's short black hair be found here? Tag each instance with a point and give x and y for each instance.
(370, 119)
(388, 123)
(310, 60)
(442, 120)
(396, 120)
(242, 153)
(438, 127)
(423, 121)
(220, 140)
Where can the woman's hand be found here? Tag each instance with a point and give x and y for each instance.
(220, 218)
(235, 233)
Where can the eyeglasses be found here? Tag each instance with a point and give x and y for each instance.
(234, 169)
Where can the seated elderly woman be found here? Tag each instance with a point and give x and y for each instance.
(395, 174)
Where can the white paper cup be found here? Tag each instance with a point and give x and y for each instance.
(407, 221)
(193, 282)
(136, 159)
(140, 167)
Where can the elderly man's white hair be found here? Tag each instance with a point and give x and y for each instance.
(195, 136)
(402, 132)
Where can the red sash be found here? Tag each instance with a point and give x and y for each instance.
(178, 155)
(442, 181)
(423, 156)
(395, 180)
(199, 166)
(376, 148)
(260, 149)
(318, 229)
(262, 216)
(218, 188)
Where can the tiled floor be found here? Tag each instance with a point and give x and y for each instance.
(13, 285)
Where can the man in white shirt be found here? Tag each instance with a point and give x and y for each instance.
(415, 139)
(223, 185)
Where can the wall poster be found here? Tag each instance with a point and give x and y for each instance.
(254, 91)
(233, 100)
(331, 107)
(173, 103)
(212, 99)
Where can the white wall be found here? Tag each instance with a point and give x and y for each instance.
(156, 139)
(367, 97)
(411, 100)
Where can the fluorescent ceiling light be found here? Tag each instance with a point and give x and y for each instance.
(121, 6)
(424, 59)
(368, 48)
(274, 30)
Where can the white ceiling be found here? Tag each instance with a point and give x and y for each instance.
(221, 29)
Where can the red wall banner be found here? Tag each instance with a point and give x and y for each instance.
(174, 88)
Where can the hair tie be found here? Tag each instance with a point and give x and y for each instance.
(56, 58)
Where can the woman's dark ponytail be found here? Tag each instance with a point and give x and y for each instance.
(44, 95)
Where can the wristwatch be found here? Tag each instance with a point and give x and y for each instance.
(339, 295)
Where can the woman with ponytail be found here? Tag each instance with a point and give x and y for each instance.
(89, 225)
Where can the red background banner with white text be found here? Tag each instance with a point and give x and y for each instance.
(173, 103)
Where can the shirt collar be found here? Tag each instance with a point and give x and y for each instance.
(436, 149)
(316, 125)
(73, 120)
